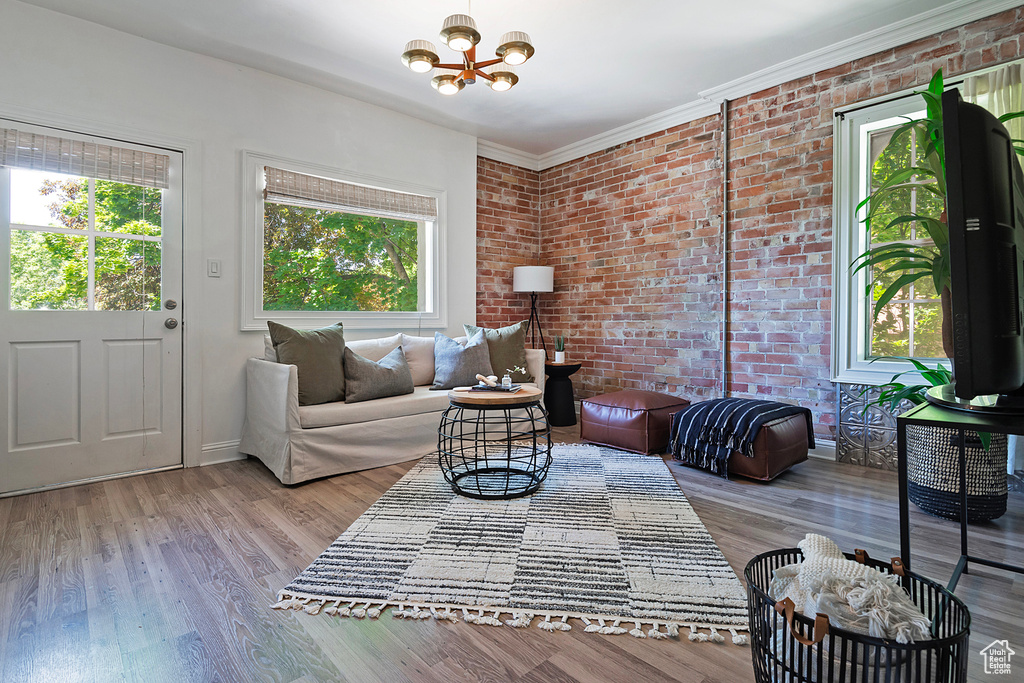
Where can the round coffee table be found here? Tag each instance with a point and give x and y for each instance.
(494, 445)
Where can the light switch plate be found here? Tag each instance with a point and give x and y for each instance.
(212, 267)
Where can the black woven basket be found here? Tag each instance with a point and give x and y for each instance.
(933, 473)
(806, 650)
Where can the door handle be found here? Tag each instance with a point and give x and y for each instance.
(170, 323)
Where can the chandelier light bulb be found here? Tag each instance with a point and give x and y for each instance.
(460, 42)
(514, 57)
(420, 56)
(459, 32)
(447, 82)
(504, 77)
(448, 87)
(515, 48)
(420, 65)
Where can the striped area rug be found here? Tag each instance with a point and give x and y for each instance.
(609, 542)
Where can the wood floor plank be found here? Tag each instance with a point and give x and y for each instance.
(169, 577)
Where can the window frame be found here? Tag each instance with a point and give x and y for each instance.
(850, 364)
(254, 318)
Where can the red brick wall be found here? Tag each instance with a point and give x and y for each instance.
(507, 235)
(634, 235)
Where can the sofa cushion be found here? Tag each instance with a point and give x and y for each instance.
(366, 380)
(507, 349)
(318, 356)
(375, 349)
(457, 365)
(421, 400)
(419, 353)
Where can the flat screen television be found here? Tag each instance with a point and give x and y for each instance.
(985, 214)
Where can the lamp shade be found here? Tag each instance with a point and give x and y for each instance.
(533, 279)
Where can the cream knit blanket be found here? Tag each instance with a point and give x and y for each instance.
(854, 596)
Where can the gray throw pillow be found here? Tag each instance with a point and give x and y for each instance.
(507, 349)
(456, 365)
(318, 355)
(366, 380)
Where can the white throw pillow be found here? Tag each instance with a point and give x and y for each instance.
(419, 353)
(375, 349)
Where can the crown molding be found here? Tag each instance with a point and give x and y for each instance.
(899, 33)
(631, 131)
(508, 155)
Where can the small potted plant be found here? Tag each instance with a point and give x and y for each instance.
(560, 349)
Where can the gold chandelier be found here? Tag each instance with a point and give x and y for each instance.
(460, 34)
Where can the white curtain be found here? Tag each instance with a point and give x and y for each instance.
(999, 91)
(1002, 91)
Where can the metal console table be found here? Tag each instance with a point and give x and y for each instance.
(931, 415)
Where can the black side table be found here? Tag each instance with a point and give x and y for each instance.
(930, 415)
(558, 396)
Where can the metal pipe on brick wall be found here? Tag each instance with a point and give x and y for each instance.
(725, 248)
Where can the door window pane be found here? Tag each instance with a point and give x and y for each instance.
(123, 208)
(49, 199)
(49, 271)
(52, 267)
(127, 275)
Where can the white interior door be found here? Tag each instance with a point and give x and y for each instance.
(90, 306)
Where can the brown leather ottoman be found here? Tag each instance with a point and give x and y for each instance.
(779, 445)
(632, 420)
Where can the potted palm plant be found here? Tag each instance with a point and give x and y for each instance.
(901, 263)
(932, 457)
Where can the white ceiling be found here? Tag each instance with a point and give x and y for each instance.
(599, 65)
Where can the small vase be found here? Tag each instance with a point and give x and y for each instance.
(559, 356)
(506, 381)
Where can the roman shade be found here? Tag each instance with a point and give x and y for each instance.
(54, 154)
(299, 189)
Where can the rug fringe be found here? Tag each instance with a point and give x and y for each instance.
(490, 616)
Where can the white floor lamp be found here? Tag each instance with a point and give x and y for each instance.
(534, 279)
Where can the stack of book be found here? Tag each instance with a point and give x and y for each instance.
(511, 389)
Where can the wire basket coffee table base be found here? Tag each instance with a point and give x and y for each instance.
(494, 452)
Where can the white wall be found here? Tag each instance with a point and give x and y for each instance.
(61, 70)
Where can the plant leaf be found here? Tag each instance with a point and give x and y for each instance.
(986, 440)
(893, 289)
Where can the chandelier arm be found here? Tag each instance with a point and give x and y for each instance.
(457, 67)
(483, 75)
(489, 62)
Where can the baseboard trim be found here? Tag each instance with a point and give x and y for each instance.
(216, 453)
(823, 449)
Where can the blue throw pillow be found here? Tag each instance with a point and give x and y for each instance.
(456, 365)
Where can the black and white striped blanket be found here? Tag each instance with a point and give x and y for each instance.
(705, 434)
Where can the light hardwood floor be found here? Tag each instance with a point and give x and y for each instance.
(169, 577)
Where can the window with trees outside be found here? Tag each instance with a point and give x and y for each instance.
(910, 324)
(331, 248)
(84, 238)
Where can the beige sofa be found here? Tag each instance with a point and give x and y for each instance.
(299, 443)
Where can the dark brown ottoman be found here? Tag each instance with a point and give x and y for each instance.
(632, 420)
(779, 445)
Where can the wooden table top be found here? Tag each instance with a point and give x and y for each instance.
(494, 398)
